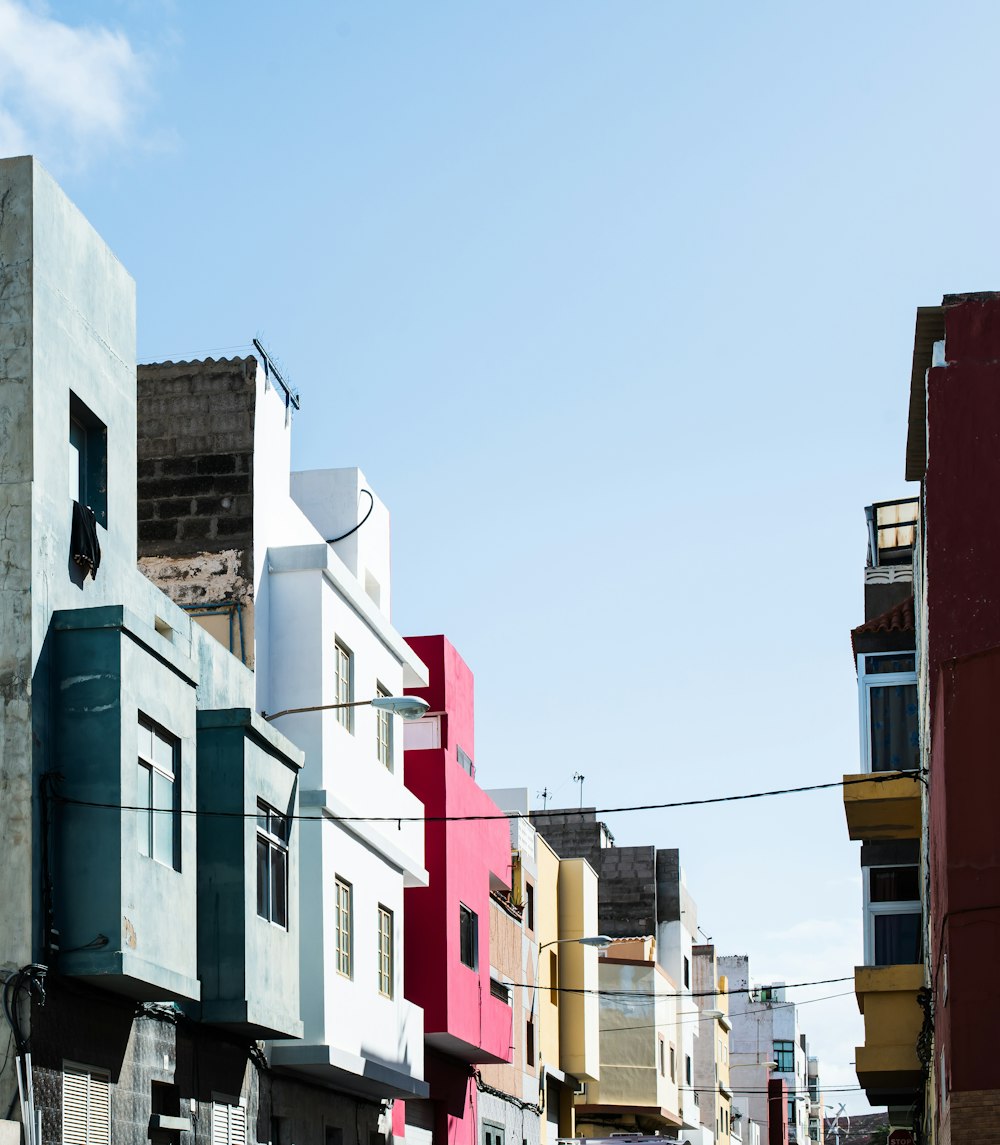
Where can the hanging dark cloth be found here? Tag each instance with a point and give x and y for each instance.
(84, 545)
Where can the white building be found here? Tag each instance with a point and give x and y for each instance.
(765, 1044)
(315, 624)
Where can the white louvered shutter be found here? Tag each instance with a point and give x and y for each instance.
(237, 1125)
(86, 1110)
(229, 1124)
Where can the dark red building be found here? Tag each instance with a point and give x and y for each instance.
(953, 450)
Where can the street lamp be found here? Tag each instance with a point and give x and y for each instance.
(601, 941)
(409, 707)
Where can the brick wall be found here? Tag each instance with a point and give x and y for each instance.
(195, 442)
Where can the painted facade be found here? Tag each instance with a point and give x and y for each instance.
(126, 729)
(449, 943)
(641, 1078)
(767, 1047)
(312, 617)
(950, 451)
(558, 898)
(710, 1016)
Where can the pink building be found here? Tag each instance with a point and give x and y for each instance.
(447, 941)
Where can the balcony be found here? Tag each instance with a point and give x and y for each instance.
(887, 1064)
(892, 532)
(882, 806)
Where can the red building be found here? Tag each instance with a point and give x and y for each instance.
(953, 450)
(447, 941)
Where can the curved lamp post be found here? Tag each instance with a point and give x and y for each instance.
(409, 707)
(601, 941)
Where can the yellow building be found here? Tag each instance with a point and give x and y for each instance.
(711, 1052)
(883, 806)
(554, 978)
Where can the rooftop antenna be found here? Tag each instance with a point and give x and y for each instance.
(578, 778)
(545, 795)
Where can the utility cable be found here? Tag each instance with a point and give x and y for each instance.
(875, 777)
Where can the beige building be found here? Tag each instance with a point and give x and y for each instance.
(552, 981)
(641, 1063)
(713, 1090)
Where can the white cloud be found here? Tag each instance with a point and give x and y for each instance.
(65, 92)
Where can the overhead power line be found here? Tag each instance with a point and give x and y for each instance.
(874, 777)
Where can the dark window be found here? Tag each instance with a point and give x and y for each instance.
(529, 906)
(791, 1108)
(468, 936)
(897, 939)
(894, 884)
(687, 1069)
(784, 1055)
(554, 977)
(492, 1134)
(88, 471)
(687, 973)
(673, 1064)
(272, 864)
(529, 1044)
(889, 684)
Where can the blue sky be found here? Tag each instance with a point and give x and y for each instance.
(613, 303)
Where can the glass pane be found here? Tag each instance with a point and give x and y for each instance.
(897, 939)
(897, 662)
(279, 826)
(163, 819)
(279, 886)
(142, 800)
(895, 740)
(262, 816)
(145, 741)
(263, 900)
(163, 752)
(894, 884)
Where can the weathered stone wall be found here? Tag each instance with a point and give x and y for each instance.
(195, 484)
(626, 891)
(195, 438)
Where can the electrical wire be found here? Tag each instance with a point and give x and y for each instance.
(344, 536)
(875, 777)
(653, 994)
(685, 1018)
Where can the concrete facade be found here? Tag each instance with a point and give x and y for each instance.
(101, 892)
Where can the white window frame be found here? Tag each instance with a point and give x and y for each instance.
(343, 683)
(97, 1086)
(344, 929)
(871, 909)
(276, 844)
(866, 682)
(383, 730)
(147, 813)
(386, 951)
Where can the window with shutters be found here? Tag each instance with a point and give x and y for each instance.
(86, 1105)
(229, 1123)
